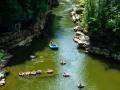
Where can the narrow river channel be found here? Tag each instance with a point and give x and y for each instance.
(95, 72)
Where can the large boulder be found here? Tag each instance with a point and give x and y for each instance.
(77, 28)
(81, 39)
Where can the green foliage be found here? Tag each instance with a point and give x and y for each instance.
(1, 55)
(12, 11)
(37, 5)
(115, 46)
(110, 24)
(26, 7)
(103, 16)
(43, 6)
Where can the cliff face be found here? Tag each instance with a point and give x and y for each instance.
(22, 34)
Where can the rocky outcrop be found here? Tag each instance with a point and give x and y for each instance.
(3, 71)
(4, 61)
(2, 77)
(99, 51)
(103, 52)
(83, 42)
(80, 38)
(11, 40)
(115, 56)
(77, 28)
(2, 80)
(75, 14)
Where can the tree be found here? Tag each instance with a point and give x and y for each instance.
(10, 11)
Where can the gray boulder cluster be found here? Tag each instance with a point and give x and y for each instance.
(103, 52)
(79, 37)
(2, 78)
(3, 71)
(74, 14)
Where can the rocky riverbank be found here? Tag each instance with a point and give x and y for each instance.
(81, 37)
(3, 71)
(23, 37)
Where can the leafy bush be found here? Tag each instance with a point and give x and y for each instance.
(1, 55)
(103, 16)
(10, 11)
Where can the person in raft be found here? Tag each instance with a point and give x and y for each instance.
(21, 73)
(66, 74)
(80, 85)
(52, 43)
(63, 63)
(49, 71)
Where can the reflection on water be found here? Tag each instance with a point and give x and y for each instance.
(95, 72)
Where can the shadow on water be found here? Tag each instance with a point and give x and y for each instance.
(111, 64)
(22, 54)
(50, 28)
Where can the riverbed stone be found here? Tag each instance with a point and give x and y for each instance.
(105, 52)
(81, 39)
(77, 28)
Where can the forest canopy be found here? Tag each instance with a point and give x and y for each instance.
(103, 14)
(102, 18)
(12, 11)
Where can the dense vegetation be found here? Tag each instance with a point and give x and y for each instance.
(102, 19)
(1, 55)
(12, 11)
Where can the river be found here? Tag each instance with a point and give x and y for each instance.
(95, 72)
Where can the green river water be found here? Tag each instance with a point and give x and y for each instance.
(95, 72)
